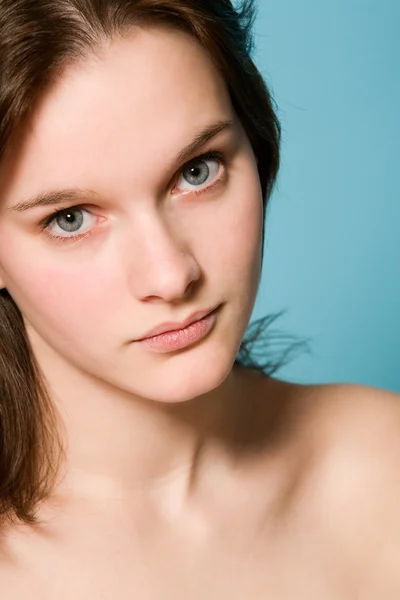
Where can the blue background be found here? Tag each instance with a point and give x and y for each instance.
(333, 225)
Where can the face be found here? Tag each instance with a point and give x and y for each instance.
(152, 228)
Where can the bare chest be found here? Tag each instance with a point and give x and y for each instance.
(224, 564)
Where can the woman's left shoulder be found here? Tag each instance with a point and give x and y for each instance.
(362, 417)
(356, 482)
(355, 429)
(355, 417)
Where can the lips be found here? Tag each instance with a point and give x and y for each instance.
(175, 326)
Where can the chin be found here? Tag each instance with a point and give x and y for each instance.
(178, 383)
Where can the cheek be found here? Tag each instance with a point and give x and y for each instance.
(60, 304)
(234, 240)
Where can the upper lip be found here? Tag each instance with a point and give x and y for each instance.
(173, 326)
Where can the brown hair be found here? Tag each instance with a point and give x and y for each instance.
(38, 39)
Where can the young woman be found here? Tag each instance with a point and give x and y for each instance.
(138, 457)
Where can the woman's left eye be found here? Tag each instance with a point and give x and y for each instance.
(200, 172)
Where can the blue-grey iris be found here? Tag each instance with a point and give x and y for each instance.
(70, 220)
(197, 173)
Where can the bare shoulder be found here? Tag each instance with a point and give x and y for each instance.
(354, 431)
(340, 415)
(354, 489)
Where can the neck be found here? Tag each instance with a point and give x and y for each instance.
(121, 445)
(118, 445)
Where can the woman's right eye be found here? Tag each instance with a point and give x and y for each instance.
(67, 221)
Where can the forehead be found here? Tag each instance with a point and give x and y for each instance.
(136, 102)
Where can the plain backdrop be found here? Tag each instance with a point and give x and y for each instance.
(332, 257)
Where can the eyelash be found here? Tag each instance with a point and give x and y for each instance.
(210, 155)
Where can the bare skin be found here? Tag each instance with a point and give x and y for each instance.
(184, 477)
(297, 498)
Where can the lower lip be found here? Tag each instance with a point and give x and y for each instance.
(176, 340)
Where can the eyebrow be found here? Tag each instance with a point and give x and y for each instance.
(202, 138)
(53, 197)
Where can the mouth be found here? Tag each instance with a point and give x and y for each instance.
(173, 327)
(178, 339)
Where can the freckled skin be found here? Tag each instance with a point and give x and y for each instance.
(184, 478)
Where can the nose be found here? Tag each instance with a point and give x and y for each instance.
(164, 268)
